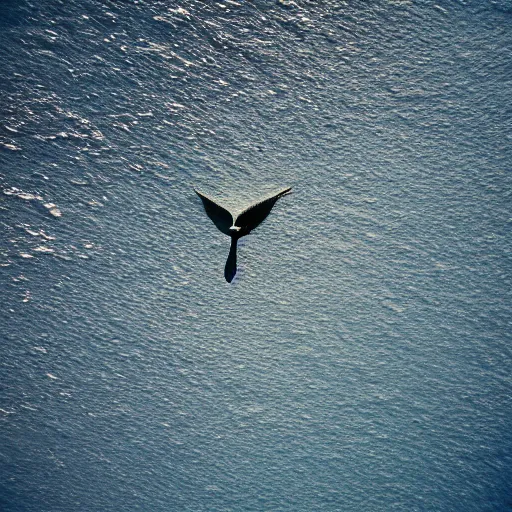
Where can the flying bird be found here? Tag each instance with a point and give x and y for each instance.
(239, 226)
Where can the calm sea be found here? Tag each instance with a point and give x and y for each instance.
(360, 361)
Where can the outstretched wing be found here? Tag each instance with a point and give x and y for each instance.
(220, 216)
(253, 216)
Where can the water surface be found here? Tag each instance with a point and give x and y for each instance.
(361, 359)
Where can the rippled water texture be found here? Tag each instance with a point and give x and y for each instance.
(361, 359)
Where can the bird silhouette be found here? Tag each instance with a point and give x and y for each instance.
(239, 226)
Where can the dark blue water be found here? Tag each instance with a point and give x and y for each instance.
(360, 361)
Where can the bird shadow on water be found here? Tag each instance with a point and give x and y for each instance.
(238, 226)
(230, 267)
(237, 279)
(234, 270)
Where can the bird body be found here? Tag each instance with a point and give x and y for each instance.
(239, 226)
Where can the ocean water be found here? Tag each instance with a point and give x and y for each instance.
(361, 359)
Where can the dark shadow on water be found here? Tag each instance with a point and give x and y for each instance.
(230, 268)
(239, 226)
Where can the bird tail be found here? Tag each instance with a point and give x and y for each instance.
(230, 268)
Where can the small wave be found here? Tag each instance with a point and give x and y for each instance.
(11, 147)
(26, 196)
